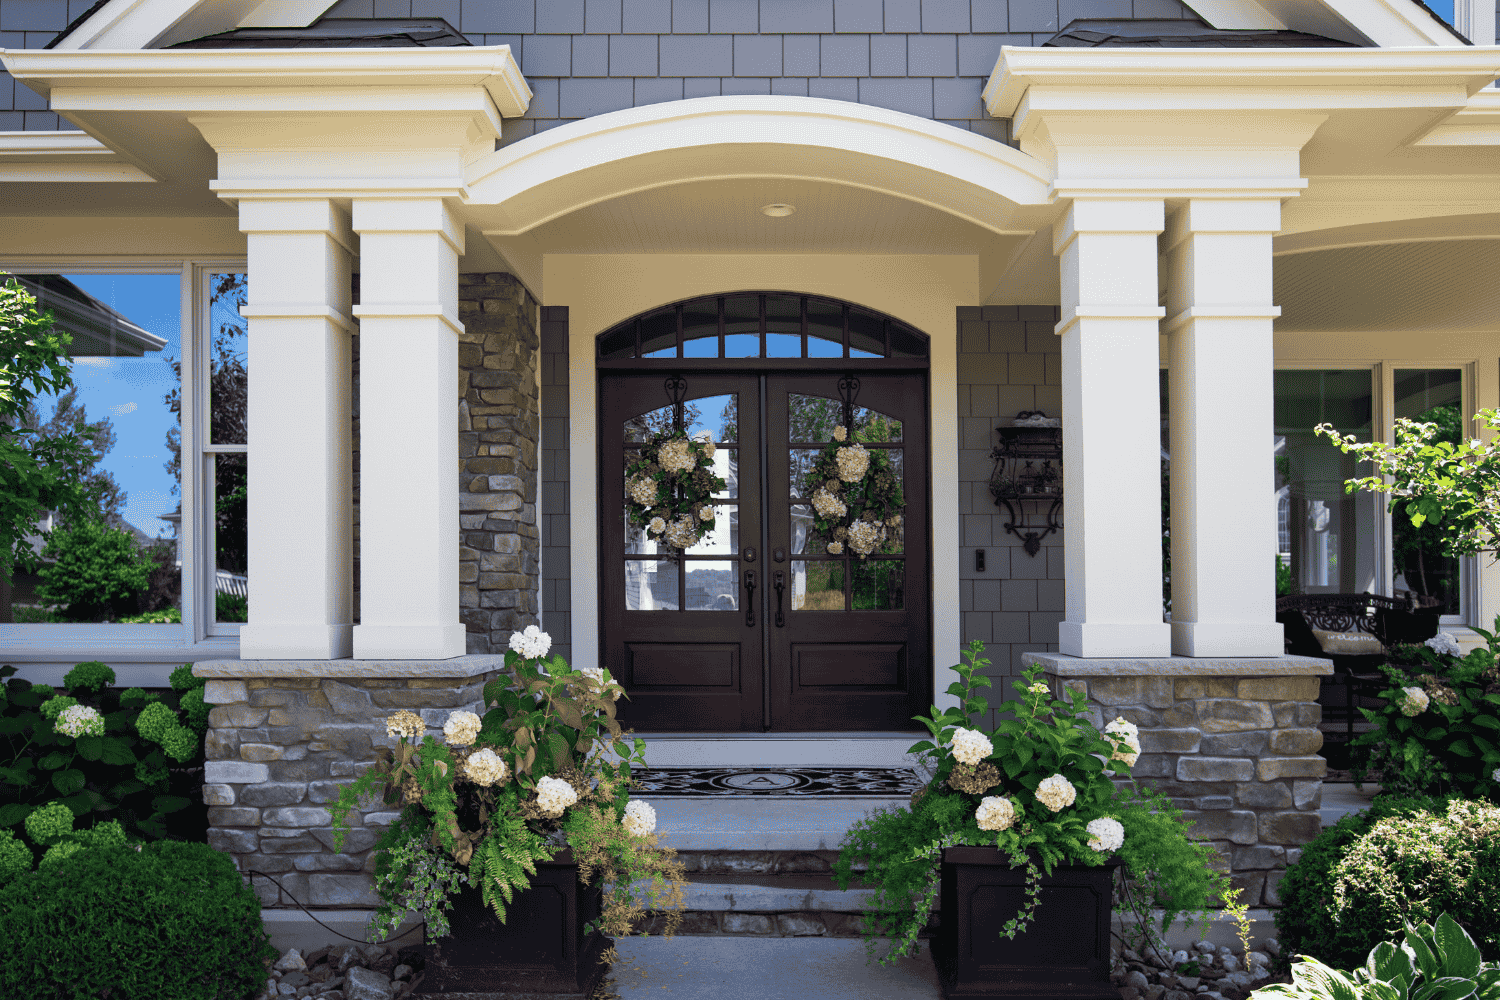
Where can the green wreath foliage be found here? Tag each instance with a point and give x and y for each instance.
(673, 511)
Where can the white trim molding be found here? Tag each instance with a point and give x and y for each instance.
(140, 24)
(1363, 22)
(53, 157)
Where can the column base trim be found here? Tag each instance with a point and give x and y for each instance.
(1092, 639)
(1064, 665)
(408, 642)
(1227, 639)
(294, 642)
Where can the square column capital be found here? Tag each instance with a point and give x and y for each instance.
(298, 215)
(1224, 216)
(1108, 215)
(409, 215)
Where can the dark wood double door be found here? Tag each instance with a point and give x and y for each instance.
(758, 627)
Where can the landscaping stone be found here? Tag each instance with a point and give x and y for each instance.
(363, 984)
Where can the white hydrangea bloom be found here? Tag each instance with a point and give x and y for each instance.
(1495, 776)
(597, 682)
(828, 505)
(1123, 726)
(639, 819)
(642, 489)
(971, 746)
(864, 536)
(682, 533)
(1415, 701)
(835, 548)
(553, 795)
(486, 768)
(995, 812)
(531, 642)
(705, 513)
(1056, 793)
(676, 456)
(853, 463)
(80, 720)
(1129, 752)
(405, 723)
(656, 526)
(1444, 642)
(1106, 834)
(706, 439)
(1040, 687)
(840, 434)
(461, 729)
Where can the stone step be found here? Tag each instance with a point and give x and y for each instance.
(746, 823)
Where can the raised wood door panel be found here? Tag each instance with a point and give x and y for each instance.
(676, 631)
(850, 648)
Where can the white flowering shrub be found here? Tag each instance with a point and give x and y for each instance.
(639, 819)
(996, 813)
(1106, 834)
(970, 746)
(461, 729)
(1414, 701)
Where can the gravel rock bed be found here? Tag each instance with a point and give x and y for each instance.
(1221, 974)
(345, 972)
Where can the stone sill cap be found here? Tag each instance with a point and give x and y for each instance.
(472, 665)
(1062, 665)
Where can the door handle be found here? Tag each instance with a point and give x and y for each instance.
(780, 587)
(750, 598)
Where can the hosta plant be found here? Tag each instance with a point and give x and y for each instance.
(1437, 961)
(545, 769)
(1044, 786)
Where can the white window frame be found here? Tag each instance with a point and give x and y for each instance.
(198, 637)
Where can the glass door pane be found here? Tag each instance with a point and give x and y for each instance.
(1419, 565)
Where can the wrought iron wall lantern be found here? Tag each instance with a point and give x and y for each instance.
(1027, 479)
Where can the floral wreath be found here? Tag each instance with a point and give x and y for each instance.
(669, 489)
(858, 498)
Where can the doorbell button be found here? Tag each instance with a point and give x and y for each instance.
(779, 555)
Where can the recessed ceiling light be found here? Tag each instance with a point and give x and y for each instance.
(778, 210)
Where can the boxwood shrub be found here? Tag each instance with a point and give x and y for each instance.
(168, 919)
(1401, 860)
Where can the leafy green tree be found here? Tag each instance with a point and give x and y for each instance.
(69, 416)
(38, 473)
(94, 571)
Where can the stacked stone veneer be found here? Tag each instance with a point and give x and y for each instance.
(499, 425)
(1233, 743)
(285, 737)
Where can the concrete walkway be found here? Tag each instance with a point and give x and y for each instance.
(747, 968)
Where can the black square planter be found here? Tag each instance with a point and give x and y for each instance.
(540, 953)
(1064, 953)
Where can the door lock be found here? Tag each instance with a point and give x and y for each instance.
(779, 555)
(749, 554)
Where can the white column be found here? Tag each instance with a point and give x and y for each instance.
(1222, 397)
(408, 396)
(299, 467)
(1111, 428)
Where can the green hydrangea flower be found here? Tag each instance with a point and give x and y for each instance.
(58, 854)
(180, 743)
(91, 677)
(131, 697)
(50, 823)
(53, 707)
(196, 709)
(182, 679)
(155, 721)
(110, 834)
(15, 857)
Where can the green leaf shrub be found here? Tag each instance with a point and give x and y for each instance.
(1450, 744)
(1401, 859)
(118, 778)
(93, 572)
(1437, 961)
(133, 922)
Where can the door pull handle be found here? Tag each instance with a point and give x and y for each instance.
(780, 587)
(750, 598)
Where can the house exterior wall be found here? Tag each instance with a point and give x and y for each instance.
(31, 24)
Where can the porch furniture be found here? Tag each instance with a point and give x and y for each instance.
(1405, 618)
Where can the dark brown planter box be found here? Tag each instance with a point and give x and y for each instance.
(1064, 953)
(541, 951)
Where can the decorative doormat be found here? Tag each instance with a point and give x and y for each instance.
(685, 782)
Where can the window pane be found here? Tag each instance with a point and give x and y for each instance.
(817, 586)
(879, 585)
(806, 541)
(825, 329)
(1428, 396)
(231, 540)
(812, 418)
(866, 335)
(650, 585)
(872, 425)
(713, 586)
(659, 334)
(799, 465)
(724, 537)
(783, 326)
(700, 329)
(742, 326)
(906, 343)
(227, 356)
(125, 349)
(618, 343)
(1330, 534)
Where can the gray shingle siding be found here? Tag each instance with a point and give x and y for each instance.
(31, 24)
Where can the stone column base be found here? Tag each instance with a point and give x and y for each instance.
(1233, 742)
(285, 735)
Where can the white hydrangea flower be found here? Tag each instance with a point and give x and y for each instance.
(864, 537)
(971, 746)
(1495, 776)
(597, 683)
(835, 548)
(995, 812)
(642, 489)
(682, 533)
(656, 526)
(486, 768)
(1124, 732)
(840, 434)
(461, 729)
(676, 456)
(705, 513)
(553, 795)
(1056, 793)
(706, 439)
(639, 819)
(828, 505)
(80, 720)
(1040, 687)
(531, 642)
(1123, 726)
(1415, 701)
(1444, 642)
(853, 463)
(1105, 835)
(405, 723)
